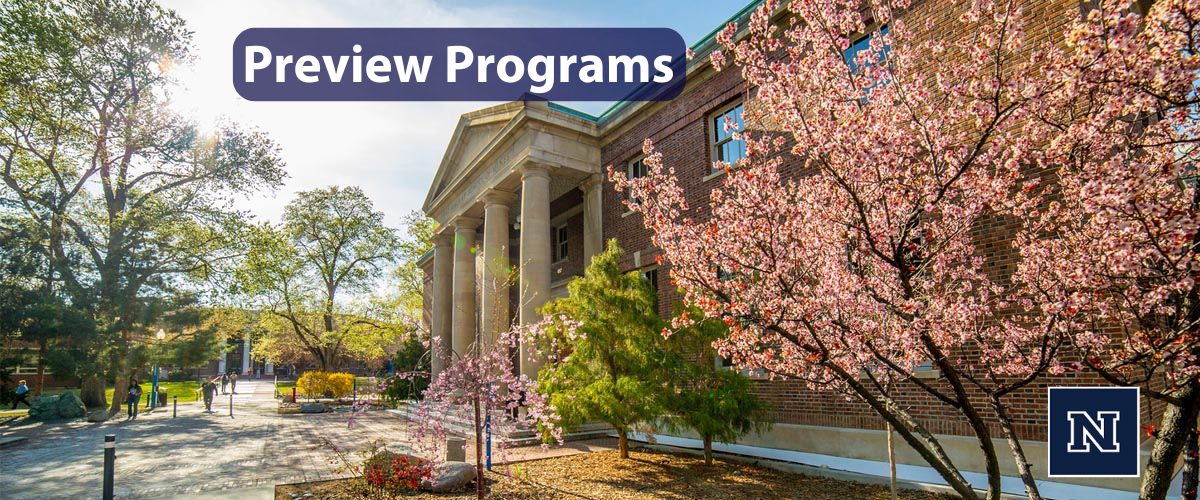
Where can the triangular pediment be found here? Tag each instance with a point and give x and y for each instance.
(474, 132)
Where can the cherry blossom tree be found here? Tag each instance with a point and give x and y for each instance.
(480, 387)
(843, 251)
(1111, 260)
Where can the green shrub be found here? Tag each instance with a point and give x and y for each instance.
(412, 373)
(316, 384)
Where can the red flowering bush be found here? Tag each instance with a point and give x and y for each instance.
(380, 473)
(399, 475)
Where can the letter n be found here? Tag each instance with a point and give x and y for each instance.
(1086, 431)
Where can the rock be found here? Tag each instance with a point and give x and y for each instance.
(98, 416)
(54, 407)
(449, 477)
(313, 408)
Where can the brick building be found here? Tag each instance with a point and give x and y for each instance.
(523, 182)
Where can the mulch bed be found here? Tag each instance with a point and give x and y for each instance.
(645, 475)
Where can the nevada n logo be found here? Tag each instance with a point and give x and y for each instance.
(1093, 431)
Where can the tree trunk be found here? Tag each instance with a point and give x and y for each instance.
(91, 391)
(911, 431)
(478, 451)
(891, 446)
(1023, 468)
(1177, 426)
(623, 442)
(707, 450)
(1191, 455)
(41, 368)
(118, 394)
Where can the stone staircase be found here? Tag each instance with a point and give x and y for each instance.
(465, 427)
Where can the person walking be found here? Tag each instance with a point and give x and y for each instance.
(209, 388)
(224, 382)
(233, 383)
(22, 393)
(133, 398)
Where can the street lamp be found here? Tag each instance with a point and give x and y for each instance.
(154, 378)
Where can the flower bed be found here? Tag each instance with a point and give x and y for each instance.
(646, 475)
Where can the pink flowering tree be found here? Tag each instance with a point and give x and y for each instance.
(480, 387)
(1111, 259)
(843, 251)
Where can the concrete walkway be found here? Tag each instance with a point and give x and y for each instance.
(198, 454)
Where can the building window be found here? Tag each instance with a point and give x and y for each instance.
(859, 45)
(725, 123)
(651, 275)
(863, 44)
(637, 170)
(560, 243)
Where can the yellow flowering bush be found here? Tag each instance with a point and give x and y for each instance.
(317, 384)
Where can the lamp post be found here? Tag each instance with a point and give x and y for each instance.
(160, 335)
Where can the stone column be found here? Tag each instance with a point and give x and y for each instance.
(443, 301)
(535, 253)
(245, 355)
(463, 316)
(593, 221)
(494, 306)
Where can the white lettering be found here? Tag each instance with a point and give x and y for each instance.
(252, 65)
(454, 64)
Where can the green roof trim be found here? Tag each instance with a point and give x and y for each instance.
(711, 34)
(572, 111)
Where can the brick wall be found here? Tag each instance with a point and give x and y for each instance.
(680, 130)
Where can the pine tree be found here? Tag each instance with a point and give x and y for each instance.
(606, 348)
(718, 404)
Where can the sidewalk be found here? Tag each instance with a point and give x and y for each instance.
(161, 456)
(204, 455)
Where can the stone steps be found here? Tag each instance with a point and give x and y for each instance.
(465, 427)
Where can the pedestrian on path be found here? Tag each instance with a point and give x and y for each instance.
(209, 388)
(134, 397)
(22, 393)
(224, 382)
(233, 383)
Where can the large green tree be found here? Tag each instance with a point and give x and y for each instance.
(607, 349)
(313, 275)
(93, 156)
(716, 402)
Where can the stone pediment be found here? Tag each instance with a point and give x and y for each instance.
(489, 145)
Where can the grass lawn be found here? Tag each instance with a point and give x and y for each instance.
(185, 390)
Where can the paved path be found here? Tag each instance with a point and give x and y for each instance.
(160, 456)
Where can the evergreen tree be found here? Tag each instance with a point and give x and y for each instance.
(718, 404)
(606, 349)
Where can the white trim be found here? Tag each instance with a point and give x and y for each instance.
(713, 145)
(559, 240)
(713, 175)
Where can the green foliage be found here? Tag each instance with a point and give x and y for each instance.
(717, 404)
(411, 363)
(331, 243)
(409, 277)
(121, 199)
(611, 368)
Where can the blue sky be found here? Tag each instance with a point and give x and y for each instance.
(391, 149)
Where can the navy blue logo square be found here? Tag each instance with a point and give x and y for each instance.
(1094, 432)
